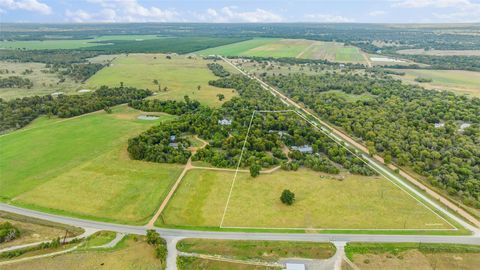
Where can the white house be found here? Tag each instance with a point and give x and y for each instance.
(303, 149)
(225, 122)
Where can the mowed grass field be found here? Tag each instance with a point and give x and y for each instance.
(180, 74)
(357, 202)
(43, 83)
(70, 43)
(79, 167)
(299, 48)
(458, 81)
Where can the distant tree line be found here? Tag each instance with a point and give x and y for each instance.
(15, 82)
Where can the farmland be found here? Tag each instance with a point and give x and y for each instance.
(44, 83)
(299, 48)
(180, 74)
(60, 176)
(458, 81)
(356, 202)
(71, 43)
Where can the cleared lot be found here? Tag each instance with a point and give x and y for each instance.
(356, 202)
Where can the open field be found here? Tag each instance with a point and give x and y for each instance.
(458, 81)
(34, 230)
(413, 256)
(70, 43)
(130, 254)
(80, 167)
(357, 202)
(299, 48)
(257, 250)
(43, 83)
(180, 74)
(441, 52)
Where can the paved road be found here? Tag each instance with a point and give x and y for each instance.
(177, 233)
(340, 137)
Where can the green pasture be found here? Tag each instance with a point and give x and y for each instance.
(356, 202)
(70, 43)
(80, 167)
(458, 81)
(181, 75)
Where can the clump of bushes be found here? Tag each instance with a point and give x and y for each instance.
(8, 232)
(160, 245)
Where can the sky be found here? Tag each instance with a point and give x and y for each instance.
(226, 11)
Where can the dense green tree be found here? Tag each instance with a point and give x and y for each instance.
(287, 197)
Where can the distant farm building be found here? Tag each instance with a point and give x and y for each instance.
(306, 149)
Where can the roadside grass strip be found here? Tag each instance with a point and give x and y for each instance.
(428, 226)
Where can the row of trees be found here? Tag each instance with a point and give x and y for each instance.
(218, 70)
(398, 122)
(19, 112)
(15, 82)
(167, 106)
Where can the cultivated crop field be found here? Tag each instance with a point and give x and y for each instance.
(298, 48)
(322, 202)
(43, 83)
(180, 74)
(79, 166)
(458, 81)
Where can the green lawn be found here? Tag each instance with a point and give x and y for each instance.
(299, 48)
(257, 250)
(190, 263)
(180, 74)
(357, 202)
(80, 167)
(458, 81)
(68, 43)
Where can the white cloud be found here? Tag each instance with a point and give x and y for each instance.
(29, 5)
(432, 3)
(457, 10)
(231, 14)
(123, 11)
(329, 18)
(377, 13)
